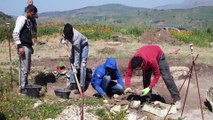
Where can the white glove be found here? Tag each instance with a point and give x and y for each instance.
(74, 70)
(63, 40)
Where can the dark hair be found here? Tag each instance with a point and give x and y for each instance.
(136, 62)
(68, 31)
(31, 8)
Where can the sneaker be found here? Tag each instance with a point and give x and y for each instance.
(177, 104)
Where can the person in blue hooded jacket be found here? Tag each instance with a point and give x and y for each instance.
(104, 77)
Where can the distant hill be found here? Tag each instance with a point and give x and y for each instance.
(117, 14)
(5, 19)
(188, 4)
(104, 14)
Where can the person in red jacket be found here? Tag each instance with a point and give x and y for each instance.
(151, 60)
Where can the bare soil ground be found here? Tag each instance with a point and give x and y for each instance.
(49, 55)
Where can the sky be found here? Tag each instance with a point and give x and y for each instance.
(16, 7)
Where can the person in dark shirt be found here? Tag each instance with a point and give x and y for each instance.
(33, 25)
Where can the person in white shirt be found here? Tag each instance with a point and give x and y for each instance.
(23, 39)
(79, 54)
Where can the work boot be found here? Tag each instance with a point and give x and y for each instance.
(72, 86)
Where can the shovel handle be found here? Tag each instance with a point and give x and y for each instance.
(76, 80)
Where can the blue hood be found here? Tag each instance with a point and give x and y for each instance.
(101, 71)
(111, 63)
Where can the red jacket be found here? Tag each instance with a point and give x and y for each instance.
(150, 55)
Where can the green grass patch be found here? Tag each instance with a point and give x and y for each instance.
(5, 79)
(5, 33)
(197, 37)
(15, 107)
(91, 31)
(105, 115)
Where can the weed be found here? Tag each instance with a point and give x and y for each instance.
(105, 115)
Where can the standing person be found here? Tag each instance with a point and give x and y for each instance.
(33, 25)
(103, 79)
(23, 39)
(151, 59)
(79, 54)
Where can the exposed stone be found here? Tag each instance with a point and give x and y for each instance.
(105, 101)
(25, 118)
(211, 44)
(179, 72)
(135, 104)
(125, 107)
(144, 118)
(115, 109)
(179, 68)
(115, 96)
(132, 116)
(210, 94)
(37, 104)
(209, 99)
(159, 108)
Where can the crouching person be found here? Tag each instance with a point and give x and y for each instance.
(104, 79)
(79, 54)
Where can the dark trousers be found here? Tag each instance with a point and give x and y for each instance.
(166, 75)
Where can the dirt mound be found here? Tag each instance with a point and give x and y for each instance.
(159, 37)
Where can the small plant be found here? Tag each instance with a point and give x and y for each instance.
(105, 115)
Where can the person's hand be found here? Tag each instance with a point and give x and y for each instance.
(74, 70)
(62, 40)
(145, 91)
(128, 90)
(21, 51)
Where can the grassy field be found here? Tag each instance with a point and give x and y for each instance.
(13, 106)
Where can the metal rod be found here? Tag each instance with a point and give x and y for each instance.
(10, 58)
(190, 72)
(82, 106)
(198, 90)
(187, 90)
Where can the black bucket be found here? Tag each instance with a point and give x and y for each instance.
(63, 93)
(33, 90)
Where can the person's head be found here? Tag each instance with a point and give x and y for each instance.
(30, 11)
(136, 62)
(110, 65)
(68, 31)
(30, 2)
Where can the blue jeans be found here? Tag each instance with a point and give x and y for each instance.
(110, 86)
(83, 59)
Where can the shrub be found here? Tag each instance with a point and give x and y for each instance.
(197, 37)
